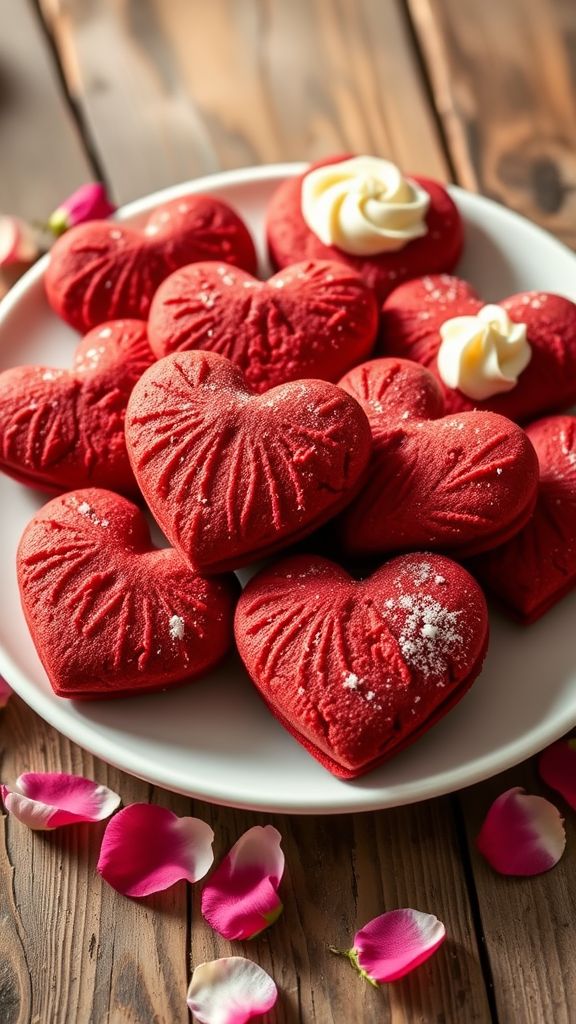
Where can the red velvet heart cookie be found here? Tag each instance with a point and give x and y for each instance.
(102, 270)
(230, 475)
(458, 483)
(358, 670)
(412, 318)
(437, 249)
(61, 429)
(110, 614)
(315, 319)
(534, 569)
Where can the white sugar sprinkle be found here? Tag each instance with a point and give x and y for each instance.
(429, 636)
(351, 681)
(176, 627)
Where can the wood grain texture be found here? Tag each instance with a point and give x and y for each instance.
(528, 923)
(197, 86)
(504, 85)
(340, 872)
(72, 950)
(36, 128)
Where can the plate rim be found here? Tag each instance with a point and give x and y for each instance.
(350, 799)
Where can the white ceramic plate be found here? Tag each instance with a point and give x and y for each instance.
(214, 739)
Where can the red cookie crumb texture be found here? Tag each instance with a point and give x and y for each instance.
(290, 239)
(410, 328)
(461, 483)
(110, 614)
(102, 270)
(62, 429)
(315, 319)
(356, 671)
(537, 567)
(231, 476)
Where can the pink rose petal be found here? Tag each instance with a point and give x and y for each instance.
(147, 848)
(46, 800)
(393, 944)
(5, 692)
(18, 242)
(522, 834)
(241, 898)
(557, 767)
(230, 991)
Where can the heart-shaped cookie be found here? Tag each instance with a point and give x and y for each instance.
(290, 239)
(533, 570)
(358, 670)
(414, 313)
(230, 475)
(315, 319)
(110, 614)
(61, 429)
(461, 483)
(102, 270)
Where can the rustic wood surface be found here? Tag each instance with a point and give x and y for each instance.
(148, 92)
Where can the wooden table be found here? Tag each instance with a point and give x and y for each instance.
(145, 93)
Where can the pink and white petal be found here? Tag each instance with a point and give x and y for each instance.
(522, 834)
(5, 692)
(231, 990)
(393, 944)
(47, 800)
(18, 243)
(147, 848)
(241, 899)
(557, 767)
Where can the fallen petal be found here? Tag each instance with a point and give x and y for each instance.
(89, 202)
(18, 242)
(522, 834)
(557, 767)
(47, 800)
(393, 944)
(147, 848)
(231, 990)
(241, 898)
(5, 692)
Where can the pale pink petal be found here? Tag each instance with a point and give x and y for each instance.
(241, 898)
(230, 991)
(147, 848)
(18, 242)
(557, 766)
(522, 834)
(5, 692)
(46, 800)
(393, 944)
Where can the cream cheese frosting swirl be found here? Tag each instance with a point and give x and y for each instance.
(364, 206)
(483, 355)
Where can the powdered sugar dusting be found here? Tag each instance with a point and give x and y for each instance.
(429, 636)
(350, 681)
(176, 627)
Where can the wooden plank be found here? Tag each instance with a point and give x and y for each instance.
(504, 90)
(43, 158)
(71, 948)
(504, 84)
(188, 87)
(528, 923)
(341, 872)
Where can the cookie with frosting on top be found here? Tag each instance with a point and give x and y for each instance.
(365, 213)
(516, 356)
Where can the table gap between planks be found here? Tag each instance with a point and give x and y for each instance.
(149, 92)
